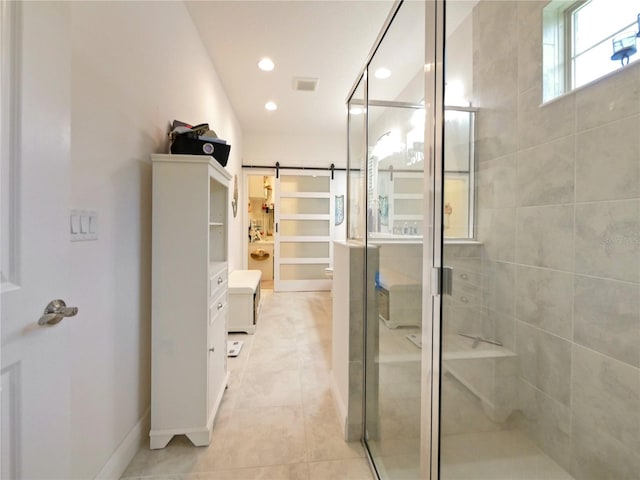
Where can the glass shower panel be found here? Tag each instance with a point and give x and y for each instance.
(540, 361)
(357, 162)
(394, 216)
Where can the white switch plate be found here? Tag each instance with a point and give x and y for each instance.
(83, 225)
(75, 223)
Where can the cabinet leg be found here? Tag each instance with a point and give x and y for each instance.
(159, 441)
(200, 439)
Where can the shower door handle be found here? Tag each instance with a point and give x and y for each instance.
(441, 281)
(447, 281)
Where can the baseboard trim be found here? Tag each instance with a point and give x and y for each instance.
(343, 416)
(118, 462)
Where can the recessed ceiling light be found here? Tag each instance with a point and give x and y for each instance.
(356, 111)
(382, 73)
(266, 64)
(270, 106)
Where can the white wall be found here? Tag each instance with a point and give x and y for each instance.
(130, 78)
(265, 149)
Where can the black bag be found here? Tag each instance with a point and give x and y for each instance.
(198, 140)
(187, 145)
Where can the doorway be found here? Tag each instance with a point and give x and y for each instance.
(260, 188)
(293, 216)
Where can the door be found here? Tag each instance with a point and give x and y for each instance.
(396, 221)
(304, 230)
(35, 149)
(540, 360)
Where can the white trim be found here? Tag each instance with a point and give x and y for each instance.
(305, 239)
(120, 459)
(305, 195)
(304, 260)
(343, 416)
(305, 216)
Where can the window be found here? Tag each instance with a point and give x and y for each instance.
(581, 38)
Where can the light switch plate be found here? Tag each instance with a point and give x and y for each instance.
(83, 225)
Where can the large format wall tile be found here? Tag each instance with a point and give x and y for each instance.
(545, 237)
(610, 99)
(556, 167)
(497, 182)
(459, 318)
(608, 240)
(529, 41)
(496, 97)
(548, 421)
(544, 299)
(498, 287)
(499, 327)
(546, 173)
(608, 162)
(494, 28)
(606, 395)
(545, 361)
(462, 411)
(498, 233)
(598, 456)
(542, 123)
(496, 133)
(607, 317)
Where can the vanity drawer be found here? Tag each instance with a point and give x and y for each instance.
(217, 283)
(218, 306)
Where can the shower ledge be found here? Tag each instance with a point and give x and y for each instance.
(488, 371)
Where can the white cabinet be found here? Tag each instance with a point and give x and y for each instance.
(189, 296)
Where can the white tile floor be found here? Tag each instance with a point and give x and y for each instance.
(277, 419)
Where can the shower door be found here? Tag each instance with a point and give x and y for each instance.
(390, 197)
(540, 358)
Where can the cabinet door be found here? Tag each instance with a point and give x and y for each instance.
(217, 368)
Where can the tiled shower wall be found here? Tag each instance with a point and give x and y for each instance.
(559, 220)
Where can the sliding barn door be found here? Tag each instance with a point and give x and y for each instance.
(304, 230)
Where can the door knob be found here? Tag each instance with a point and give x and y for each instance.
(55, 311)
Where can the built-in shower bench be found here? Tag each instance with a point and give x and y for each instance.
(488, 371)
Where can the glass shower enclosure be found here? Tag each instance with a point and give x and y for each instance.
(386, 212)
(504, 337)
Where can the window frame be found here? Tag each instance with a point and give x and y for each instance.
(560, 20)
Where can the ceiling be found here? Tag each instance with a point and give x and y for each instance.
(327, 40)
